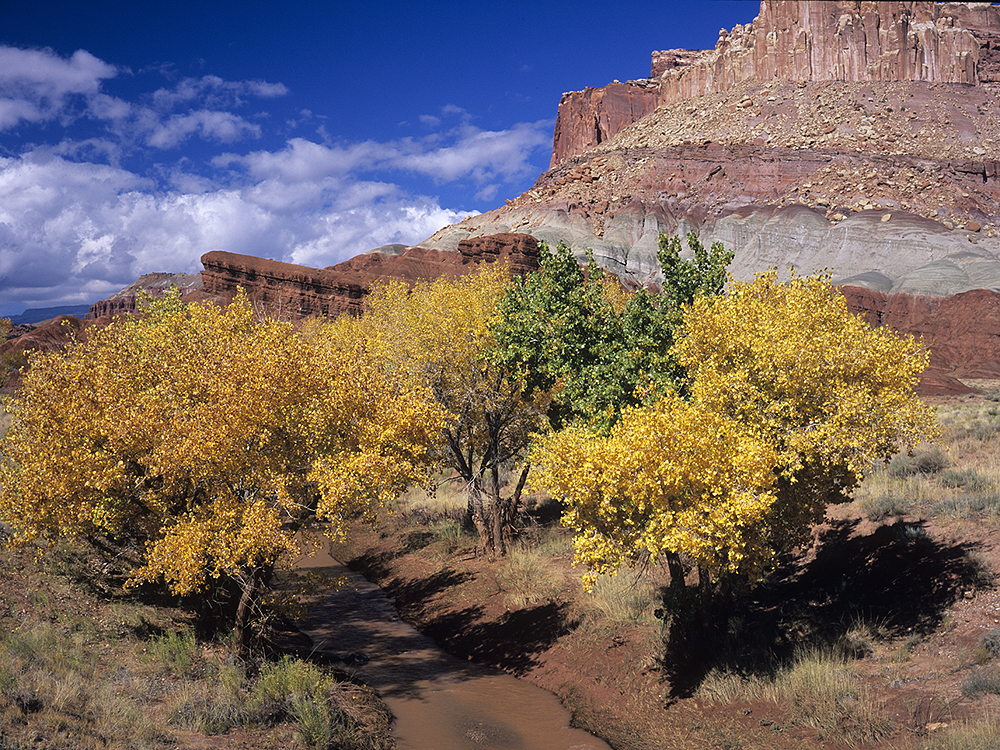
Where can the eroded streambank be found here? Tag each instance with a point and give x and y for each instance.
(439, 702)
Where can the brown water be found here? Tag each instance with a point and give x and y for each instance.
(440, 702)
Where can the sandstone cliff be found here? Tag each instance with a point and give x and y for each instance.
(590, 117)
(861, 138)
(293, 292)
(798, 40)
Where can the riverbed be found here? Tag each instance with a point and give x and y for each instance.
(439, 702)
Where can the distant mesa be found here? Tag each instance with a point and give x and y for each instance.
(35, 315)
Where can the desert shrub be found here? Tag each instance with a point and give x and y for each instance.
(923, 461)
(885, 505)
(967, 479)
(970, 505)
(990, 641)
(281, 681)
(174, 653)
(981, 682)
(317, 721)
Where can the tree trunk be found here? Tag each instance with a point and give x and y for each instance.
(705, 595)
(241, 628)
(255, 583)
(676, 569)
(497, 515)
(479, 518)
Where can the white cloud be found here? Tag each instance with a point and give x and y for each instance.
(95, 209)
(481, 155)
(216, 92)
(77, 232)
(210, 125)
(37, 85)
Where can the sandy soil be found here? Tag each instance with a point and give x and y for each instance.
(926, 599)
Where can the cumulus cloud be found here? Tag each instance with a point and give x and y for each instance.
(211, 125)
(77, 232)
(467, 152)
(37, 85)
(92, 209)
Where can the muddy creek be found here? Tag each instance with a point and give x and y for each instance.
(439, 701)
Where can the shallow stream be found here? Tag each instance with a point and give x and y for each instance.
(439, 701)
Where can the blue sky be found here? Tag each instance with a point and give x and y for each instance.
(136, 136)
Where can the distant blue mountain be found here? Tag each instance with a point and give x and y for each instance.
(38, 314)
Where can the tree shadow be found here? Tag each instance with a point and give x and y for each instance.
(896, 581)
(511, 642)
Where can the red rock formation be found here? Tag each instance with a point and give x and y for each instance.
(152, 284)
(792, 40)
(295, 292)
(846, 40)
(589, 117)
(962, 332)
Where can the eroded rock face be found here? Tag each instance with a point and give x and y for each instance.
(588, 118)
(807, 40)
(293, 292)
(962, 332)
(152, 284)
(847, 40)
(861, 138)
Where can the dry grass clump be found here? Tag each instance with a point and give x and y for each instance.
(819, 688)
(956, 480)
(629, 598)
(982, 734)
(526, 577)
(81, 671)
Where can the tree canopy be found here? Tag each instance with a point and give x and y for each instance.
(438, 332)
(792, 400)
(208, 436)
(598, 348)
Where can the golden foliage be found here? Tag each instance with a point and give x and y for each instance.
(437, 333)
(792, 399)
(211, 435)
(669, 478)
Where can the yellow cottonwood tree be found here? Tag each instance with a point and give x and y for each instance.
(793, 399)
(209, 436)
(439, 333)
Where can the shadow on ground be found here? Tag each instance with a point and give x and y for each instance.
(896, 580)
(510, 642)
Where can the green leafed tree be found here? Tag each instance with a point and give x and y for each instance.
(575, 331)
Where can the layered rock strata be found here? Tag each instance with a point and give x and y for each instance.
(807, 40)
(293, 292)
(813, 141)
(126, 301)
